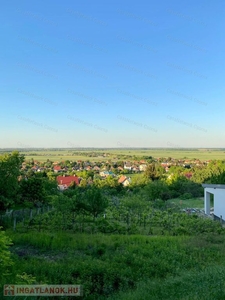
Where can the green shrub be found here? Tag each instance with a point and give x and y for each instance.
(186, 196)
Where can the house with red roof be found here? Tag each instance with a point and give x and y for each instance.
(64, 182)
(57, 169)
(142, 161)
(188, 175)
(124, 180)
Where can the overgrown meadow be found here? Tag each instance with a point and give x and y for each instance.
(132, 249)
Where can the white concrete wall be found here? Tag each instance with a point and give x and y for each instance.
(207, 202)
(219, 201)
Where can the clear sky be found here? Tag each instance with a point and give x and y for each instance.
(112, 73)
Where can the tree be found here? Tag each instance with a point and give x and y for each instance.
(83, 183)
(181, 185)
(149, 159)
(139, 180)
(32, 162)
(217, 179)
(176, 170)
(70, 201)
(10, 165)
(52, 175)
(50, 186)
(111, 181)
(135, 203)
(154, 171)
(96, 203)
(157, 190)
(32, 190)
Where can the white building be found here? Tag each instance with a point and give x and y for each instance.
(218, 192)
(143, 167)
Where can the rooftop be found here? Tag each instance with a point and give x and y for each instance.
(213, 186)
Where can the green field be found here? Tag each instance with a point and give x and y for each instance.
(124, 267)
(117, 153)
(188, 203)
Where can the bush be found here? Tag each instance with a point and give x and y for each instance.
(5, 257)
(186, 196)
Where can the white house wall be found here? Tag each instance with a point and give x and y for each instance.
(219, 201)
(207, 201)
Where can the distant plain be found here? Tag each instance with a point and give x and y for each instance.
(118, 153)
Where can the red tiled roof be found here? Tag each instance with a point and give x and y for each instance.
(57, 168)
(122, 179)
(142, 161)
(67, 180)
(188, 175)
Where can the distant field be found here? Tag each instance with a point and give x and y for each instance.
(205, 154)
(62, 157)
(66, 154)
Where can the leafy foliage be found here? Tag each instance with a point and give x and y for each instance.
(10, 165)
(96, 203)
(32, 190)
(154, 171)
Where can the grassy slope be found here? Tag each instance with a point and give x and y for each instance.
(138, 267)
(188, 203)
(207, 284)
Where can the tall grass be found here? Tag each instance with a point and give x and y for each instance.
(107, 264)
(204, 285)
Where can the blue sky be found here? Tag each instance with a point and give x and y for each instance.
(112, 73)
